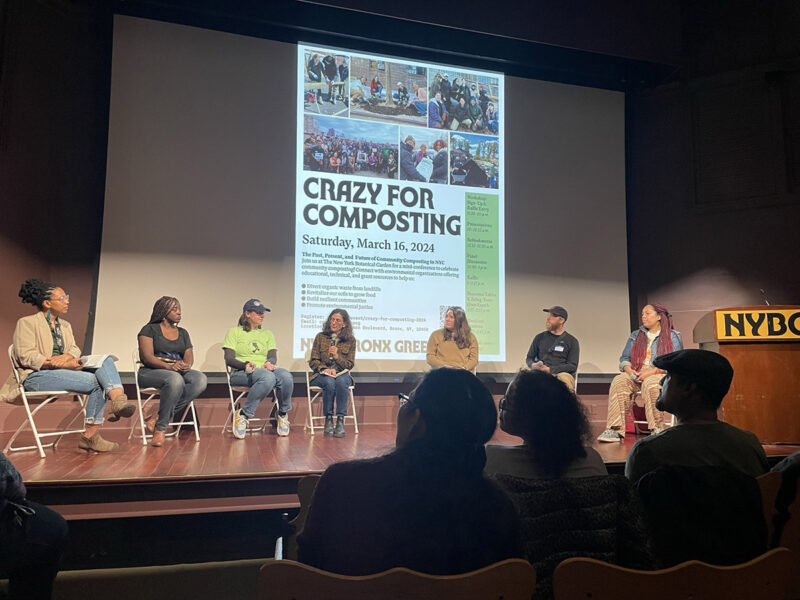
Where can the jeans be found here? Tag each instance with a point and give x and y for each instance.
(334, 387)
(31, 549)
(94, 382)
(261, 383)
(176, 391)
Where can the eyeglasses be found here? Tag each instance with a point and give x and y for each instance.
(503, 405)
(64, 298)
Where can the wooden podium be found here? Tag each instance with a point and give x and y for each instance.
(763, 345)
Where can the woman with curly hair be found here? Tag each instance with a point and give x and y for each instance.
(426, 505)
(49, 359)
(332, 356)
(554, 429)
(454, 345)
(167, 356)
(656, 337)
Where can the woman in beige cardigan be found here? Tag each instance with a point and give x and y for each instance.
(455, 345)
(49, 359)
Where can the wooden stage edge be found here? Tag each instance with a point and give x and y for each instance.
(221, 474)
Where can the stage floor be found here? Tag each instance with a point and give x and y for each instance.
(218, 456)
(222, 474)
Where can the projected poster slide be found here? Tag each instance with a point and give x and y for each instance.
(398, 218)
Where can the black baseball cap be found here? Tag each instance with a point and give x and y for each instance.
(708, 370)
(254, 305)
(558, 311)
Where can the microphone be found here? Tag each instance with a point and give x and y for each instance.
(333, 343)
(764, 296)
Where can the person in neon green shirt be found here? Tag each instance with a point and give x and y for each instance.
(253, 355)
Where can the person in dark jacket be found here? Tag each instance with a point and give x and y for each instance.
(439, 174)
(32, 539)
(408, 168)
(315, 74)
(460, 116)
(483, 100)
(426, 505)
(476, 176)
(330, 71)
(446, 90)
(475, 116)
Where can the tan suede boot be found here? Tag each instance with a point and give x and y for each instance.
(120, 407)
(96, 444)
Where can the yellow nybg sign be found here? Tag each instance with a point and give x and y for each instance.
(759, 324)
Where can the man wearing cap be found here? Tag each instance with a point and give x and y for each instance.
(555, 351)
(692, 390)
(253, 355)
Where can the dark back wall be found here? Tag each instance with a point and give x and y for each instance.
(54, 73)
(713, 161)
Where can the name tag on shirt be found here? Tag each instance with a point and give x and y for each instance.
(558, 348)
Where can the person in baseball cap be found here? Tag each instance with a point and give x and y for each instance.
(695, 383)
(254, 305)
(554, 350)
(251, 353)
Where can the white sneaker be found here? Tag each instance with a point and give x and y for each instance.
(611, 435)
(283, 425)
(239, 425)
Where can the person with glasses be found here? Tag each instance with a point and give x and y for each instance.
(333, 354)
(253, 355)
(167, 355)
(554, 429)
(426, 505)
(49, 359)
(455, 345)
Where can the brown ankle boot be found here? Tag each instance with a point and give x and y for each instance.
(96, 444)
(150, 423)
(159, 436)
(120, 407)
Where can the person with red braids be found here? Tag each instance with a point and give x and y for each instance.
(655, 337)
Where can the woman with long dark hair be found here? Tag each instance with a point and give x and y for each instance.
(167, 356)
(333, 354)
(553, 425)
(426, 505)
(49, 359)
(656, 337)
(454, 345)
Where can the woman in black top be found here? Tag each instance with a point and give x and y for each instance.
(165, 351)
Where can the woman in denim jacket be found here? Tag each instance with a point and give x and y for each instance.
(655, 337)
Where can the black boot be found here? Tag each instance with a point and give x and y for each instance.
(339, 430)
(328, 425)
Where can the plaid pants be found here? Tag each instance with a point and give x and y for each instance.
(620, 399)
